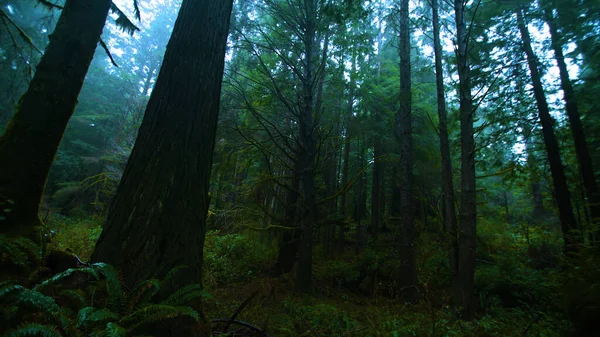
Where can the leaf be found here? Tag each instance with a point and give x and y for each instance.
(186, 294)
(115, 330)
(61, 276)
(35, 329)
(155, 313)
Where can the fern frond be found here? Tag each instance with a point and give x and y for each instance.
(44, 304)
(115, 330)
(123, 21)
(76, 296)
(155, 313)
(172, 273)
(61, 276)
(187, 294)
(144, 292)
(9, 287)
(19, 251)
(35, 329)
(90, 316)
(113, 284)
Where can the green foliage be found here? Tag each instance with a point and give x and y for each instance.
(321, 318)
(101, 305)
(581, 291)
(20, 251)
(76, 234)
(231, 258)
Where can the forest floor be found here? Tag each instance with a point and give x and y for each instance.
(355, 295)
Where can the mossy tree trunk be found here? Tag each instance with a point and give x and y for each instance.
(157, 220)
(31, 140)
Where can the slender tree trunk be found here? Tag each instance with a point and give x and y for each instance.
(157, 220)
(308, 141)
(376, 188)
(408, 268)
(561, 191)
(360, 204)
(289, 241)
(468, 210)
(32, 137)
(586, 168)
(449, 210)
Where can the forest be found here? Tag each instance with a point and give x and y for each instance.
(299, 168)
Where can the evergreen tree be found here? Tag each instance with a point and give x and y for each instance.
(158, 218)
(33, 135)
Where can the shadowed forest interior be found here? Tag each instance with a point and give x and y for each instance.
(299, 168)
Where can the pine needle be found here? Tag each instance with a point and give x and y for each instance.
(123, 21)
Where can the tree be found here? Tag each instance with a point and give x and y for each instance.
(448, 208)
(408, 268)
(468, 197)
(559, 180)
(33, 135)
(586, 167)
(158, 218)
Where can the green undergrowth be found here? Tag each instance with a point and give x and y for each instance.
(78, 235)
(87, 301)
(520, 293)
(523, 285)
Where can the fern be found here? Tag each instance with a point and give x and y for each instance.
(172, 273)
(77, 296)
(114, 330)
(144, 292)
(61, 276)
(113, 284)
(20, 251)
(8, 287)
(35, 329)
(90, 316)
(155, 313)
(187, 294)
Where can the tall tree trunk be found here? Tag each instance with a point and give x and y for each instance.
(32, 137)
(408, 268)
(449, 210)
(468, 205)
(559, 180)
(308, 141)
(586, 168)
(289, 241)
(157, 220)
(376, 213)
(360, 197)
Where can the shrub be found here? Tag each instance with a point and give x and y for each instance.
(230, 258)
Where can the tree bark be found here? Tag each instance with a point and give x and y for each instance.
(157, 220)
(408, 268)
(376, 212)
(562, 195)
(308, 143)
(32, 137)
(468, 205)
(449, 210)
(586, 167)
